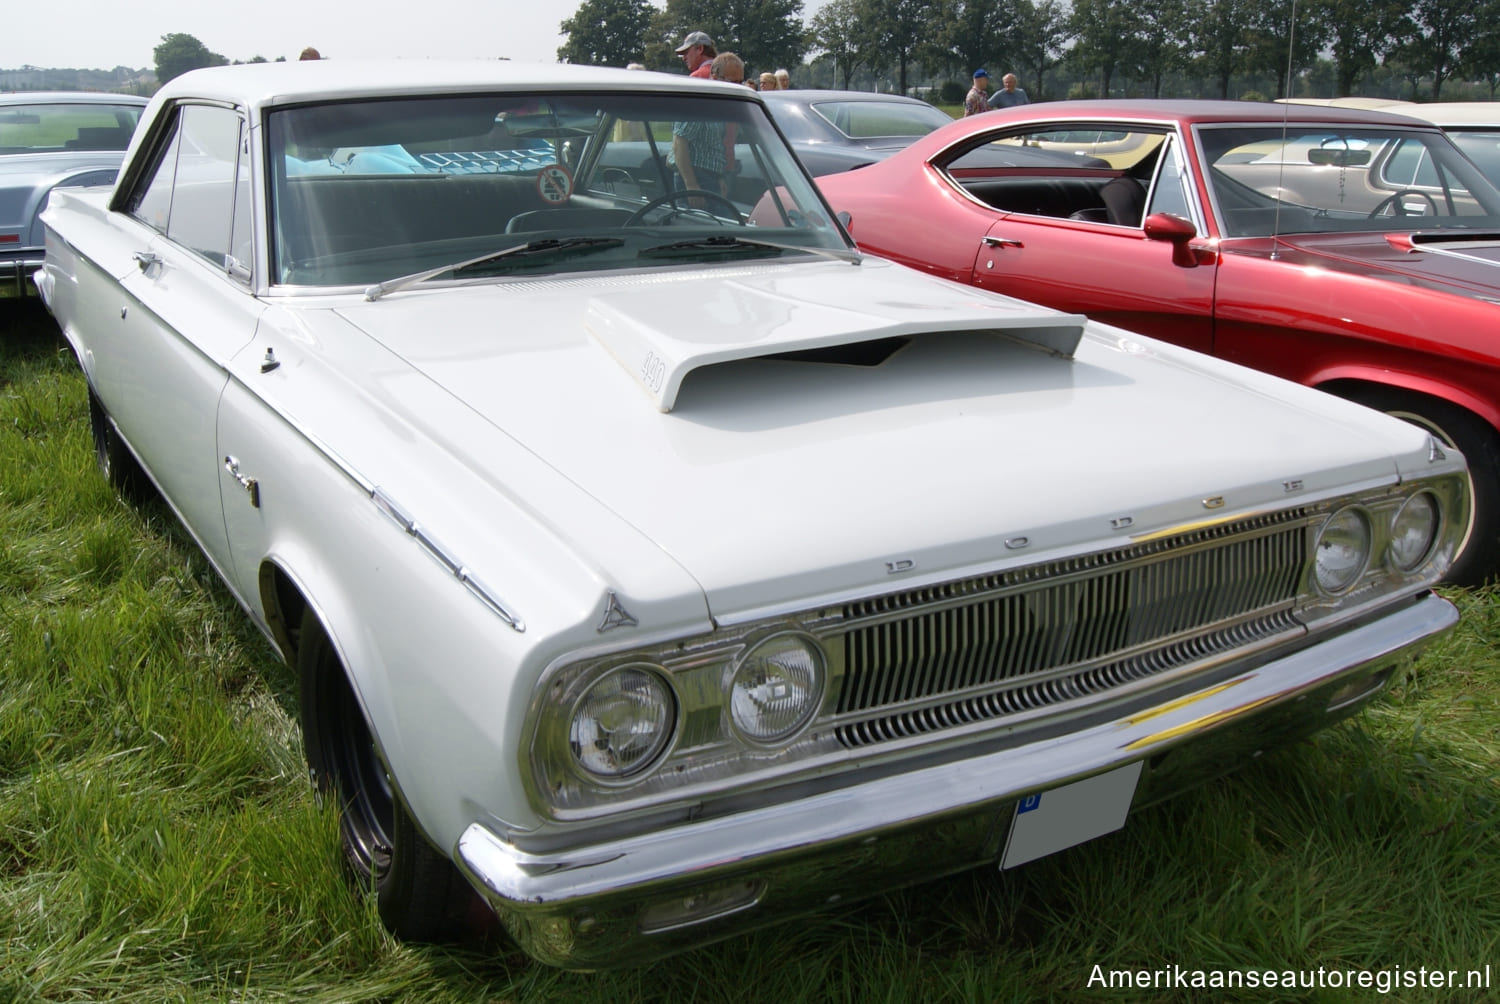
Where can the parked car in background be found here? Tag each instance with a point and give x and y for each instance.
(656, 566)
(1350, 250)
(50, 140)
(1474, 126)
(840, 130)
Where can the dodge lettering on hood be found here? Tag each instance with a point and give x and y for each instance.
(655, 565)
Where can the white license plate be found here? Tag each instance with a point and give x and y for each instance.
(1060, 818)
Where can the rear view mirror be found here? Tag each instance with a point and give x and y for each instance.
(1325, 157)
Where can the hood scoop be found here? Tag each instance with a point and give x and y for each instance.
(660, 343)
(1474, 245)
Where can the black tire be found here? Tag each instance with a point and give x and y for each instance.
(419, 892)
(114, 458)
(1479, 561)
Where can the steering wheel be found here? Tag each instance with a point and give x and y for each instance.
(671, 198)
(1393, 201)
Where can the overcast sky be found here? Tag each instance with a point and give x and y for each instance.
(102, 34)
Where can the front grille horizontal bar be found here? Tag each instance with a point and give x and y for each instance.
(1053, 632)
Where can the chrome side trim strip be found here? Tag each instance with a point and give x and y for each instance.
(446, 558)
(390, 508)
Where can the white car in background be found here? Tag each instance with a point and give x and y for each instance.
(1474, 127)
(656, 565)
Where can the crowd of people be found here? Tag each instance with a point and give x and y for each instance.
(698, 52)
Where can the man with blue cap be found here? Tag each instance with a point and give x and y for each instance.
(974, 101)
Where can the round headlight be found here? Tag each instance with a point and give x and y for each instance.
(1343, 550)
(623, 722)
(1413, 531)
(777, 687)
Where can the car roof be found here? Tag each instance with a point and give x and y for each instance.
(69, 98)
(812, 96)
(1348, 102)
(1193, 112)
(297, 82)
(1456, 113)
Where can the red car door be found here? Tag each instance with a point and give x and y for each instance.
(1145, 272)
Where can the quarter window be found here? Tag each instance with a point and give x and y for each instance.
(1170, 193)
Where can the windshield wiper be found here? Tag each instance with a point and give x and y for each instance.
(548, 246)
(726, 242)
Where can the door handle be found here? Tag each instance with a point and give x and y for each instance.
(1001, 242)
(251, 486)
(145, 259)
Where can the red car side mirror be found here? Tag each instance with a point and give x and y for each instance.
(1178, 231)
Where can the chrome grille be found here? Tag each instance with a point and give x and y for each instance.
(989, 647)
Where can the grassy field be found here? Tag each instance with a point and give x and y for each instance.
(159, 840)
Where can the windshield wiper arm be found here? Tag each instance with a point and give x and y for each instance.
(583, 245)
(726, 242)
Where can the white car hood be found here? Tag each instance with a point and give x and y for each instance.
(778, 482)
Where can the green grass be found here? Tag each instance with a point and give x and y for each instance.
(159, 840)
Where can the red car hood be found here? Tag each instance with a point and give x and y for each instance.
(1450, 260)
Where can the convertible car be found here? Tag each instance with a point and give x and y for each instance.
(49, 140)
(655, 565)
(1349, 250)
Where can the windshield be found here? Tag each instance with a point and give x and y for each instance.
(369, 192)
(52, 128)
(1318, 179)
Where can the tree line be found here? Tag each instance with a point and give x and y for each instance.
(1152, 48)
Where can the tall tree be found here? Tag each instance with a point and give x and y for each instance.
(974, 33)
(1104, 34)
(902, 31)
(179, 53)
(766, 34)
(1442, 31)
(1285, 36)
(1220, 35)
(1359, 32)
(1038, 33)
(1161, 26)
(606, 32)
(1482, 58)
(838, 30)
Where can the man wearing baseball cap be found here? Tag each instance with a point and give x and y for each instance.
(698, 51)
(974, 102)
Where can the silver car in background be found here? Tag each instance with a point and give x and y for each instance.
(834, 131)
(48, 140)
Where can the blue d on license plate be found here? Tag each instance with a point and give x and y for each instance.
(1057, 819)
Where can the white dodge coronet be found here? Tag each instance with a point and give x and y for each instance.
(654, 564)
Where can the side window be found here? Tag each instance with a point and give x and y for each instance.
(1170, 192)
(1408, 166)
(154, 207)
(203, 195)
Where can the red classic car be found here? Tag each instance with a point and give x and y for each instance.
(1350, 250)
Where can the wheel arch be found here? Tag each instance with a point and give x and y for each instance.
(1348, 382)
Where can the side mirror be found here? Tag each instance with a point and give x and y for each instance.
(1177, 231)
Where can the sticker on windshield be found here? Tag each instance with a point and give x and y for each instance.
(555, 184)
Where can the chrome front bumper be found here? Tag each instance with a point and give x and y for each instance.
(628, 901)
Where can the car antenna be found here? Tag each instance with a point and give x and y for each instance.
(1286, 111)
